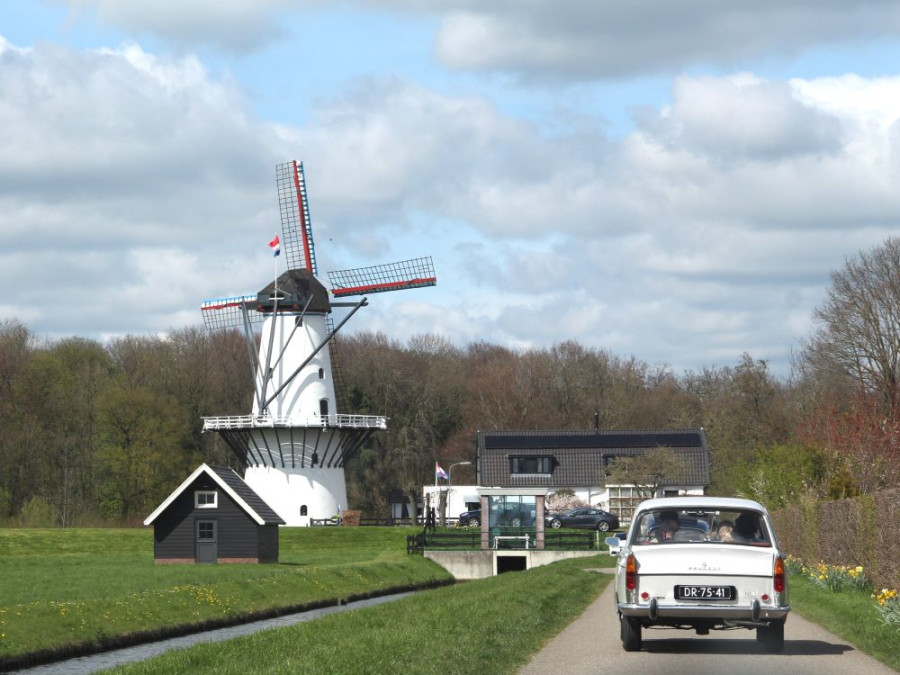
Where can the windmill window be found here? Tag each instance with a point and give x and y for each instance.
(531, 464)
(298, 321)
(321, 373)
(206, 499)
(323, 407)
(303, 510)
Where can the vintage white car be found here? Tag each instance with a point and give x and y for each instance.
(701, 563)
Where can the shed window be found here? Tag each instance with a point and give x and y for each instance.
(205, 499)
(531, 464)
(206, 530)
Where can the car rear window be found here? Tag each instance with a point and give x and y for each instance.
(726, 526)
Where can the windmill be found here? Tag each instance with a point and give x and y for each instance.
(294, 443)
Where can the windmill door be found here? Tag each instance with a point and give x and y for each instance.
(207, 541)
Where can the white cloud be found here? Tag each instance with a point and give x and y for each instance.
(232, 24)
(589, 39)
(135, 186)
(571, 40)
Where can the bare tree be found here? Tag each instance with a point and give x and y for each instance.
(859, 323)
(648, 471)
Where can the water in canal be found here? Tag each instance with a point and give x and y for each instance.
(90, 664)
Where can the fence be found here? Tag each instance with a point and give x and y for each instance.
(514, 538)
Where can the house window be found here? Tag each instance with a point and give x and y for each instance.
(531, 464)
(206, 530)
(205, 499)
(623, 500)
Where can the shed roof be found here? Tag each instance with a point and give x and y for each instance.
(234, 486)
(582, 455)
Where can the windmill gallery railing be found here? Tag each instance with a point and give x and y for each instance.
(267, 421)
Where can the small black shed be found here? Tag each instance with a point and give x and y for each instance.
(214, 516)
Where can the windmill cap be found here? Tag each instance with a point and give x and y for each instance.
(295, 287)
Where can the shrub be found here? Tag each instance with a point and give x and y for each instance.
(37, 512)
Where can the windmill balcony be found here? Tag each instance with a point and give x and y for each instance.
(320, 421)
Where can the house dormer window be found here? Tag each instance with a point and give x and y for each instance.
(531, 464)
(206, 499)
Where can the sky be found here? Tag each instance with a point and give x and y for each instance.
(673, 182)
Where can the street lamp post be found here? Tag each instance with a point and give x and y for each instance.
(450, 472)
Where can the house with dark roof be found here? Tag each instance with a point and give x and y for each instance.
(578, 461)
(214, 516)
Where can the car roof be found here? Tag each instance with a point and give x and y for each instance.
(702, 502)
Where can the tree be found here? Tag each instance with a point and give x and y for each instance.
(648, 471)
(858, 325)
(781, 475)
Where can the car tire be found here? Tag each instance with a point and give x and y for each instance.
(631, 634)
(771, 637)
(556, 523)
(603, 526)
(474, 522)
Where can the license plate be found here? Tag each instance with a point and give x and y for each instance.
(704, 592)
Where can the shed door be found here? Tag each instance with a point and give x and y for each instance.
(207, 538)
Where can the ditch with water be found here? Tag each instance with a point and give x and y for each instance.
(83, 665)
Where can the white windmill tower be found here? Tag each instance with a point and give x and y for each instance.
(295, 442)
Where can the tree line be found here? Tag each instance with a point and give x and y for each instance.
(95, 433)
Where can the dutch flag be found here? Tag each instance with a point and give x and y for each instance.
(439, 472)
(275, 245)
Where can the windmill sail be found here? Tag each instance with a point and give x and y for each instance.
(296, 225)
(396, 276)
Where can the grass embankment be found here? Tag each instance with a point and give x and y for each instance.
(62, 588)
(849, 614)
(488, 626)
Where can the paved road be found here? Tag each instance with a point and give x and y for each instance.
(591, 645)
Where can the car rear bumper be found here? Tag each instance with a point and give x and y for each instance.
(752, 612)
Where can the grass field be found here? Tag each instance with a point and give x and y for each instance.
(849, 614)
(487, 626)
(64, 587)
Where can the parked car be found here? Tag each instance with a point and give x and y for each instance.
(507, 515)
(585, 516)
(470, 518)
(701, 563)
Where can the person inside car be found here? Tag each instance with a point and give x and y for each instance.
(666, 527)
(745, 527)
(724, 531)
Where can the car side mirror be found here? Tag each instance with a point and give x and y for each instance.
(613, 542)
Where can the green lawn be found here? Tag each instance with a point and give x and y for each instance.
(849, 614)
(64, 587)
(487, 626)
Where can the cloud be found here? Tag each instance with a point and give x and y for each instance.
(134, 186)
(112, 159)
(532, 40)
(234, 25)
(582, 40)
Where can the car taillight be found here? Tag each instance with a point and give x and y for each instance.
(630, 573)
(778, 575)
